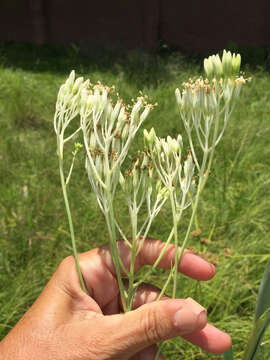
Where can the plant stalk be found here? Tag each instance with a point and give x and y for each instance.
(71, 228)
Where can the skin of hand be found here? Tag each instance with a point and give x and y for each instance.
(66, 323)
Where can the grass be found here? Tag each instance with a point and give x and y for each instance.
(33, 226)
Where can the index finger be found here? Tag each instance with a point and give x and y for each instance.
(99, 273)
(190, 265)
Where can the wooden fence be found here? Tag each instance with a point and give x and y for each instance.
(193, 25)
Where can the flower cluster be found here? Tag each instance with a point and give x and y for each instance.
(228, 66)
(68, 103)
(166, 155)
(205, 105)
(108, 130)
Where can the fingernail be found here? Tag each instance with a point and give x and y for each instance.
(190, 317)
(194, 306)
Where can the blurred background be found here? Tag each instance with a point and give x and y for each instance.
(153, 46)
(192, 26)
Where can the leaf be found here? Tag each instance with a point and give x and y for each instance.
(263, 301)
(228, 355)
(262, 317)
(257, 336)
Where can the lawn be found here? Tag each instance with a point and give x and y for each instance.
(234, 212)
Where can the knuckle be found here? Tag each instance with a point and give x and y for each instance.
(66, 264)
(151, 327)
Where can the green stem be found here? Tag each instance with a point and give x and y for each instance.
(157, 261)
(190, 222)
(71, 228)
(132, 261)
(176, 259)
(113, 247)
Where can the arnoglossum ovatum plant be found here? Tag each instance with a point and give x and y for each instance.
(161, 172)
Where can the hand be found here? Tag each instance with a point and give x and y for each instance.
(65, 323)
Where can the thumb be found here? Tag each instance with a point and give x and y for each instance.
(157, 321)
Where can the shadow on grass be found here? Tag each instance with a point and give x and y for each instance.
(137, 64)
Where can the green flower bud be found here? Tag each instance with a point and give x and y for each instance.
(149, 137)
(227, 63)
(236, 63)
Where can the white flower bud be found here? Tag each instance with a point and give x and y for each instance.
(99, 165)
(108, 109)
(163, 193)
(172, 145)
(135, 177)
(122, 181)
(145, 113)
(77, 85)
(145, 161)
(157, 145)
(84, 97)
(122, 118)
(90, 101)
(135, 112)
(165, 146)
(175, 146)
(189, 167)
(208, 68)
(96, 98)
(116, 144)
(217, 65)
(93, 141)
(115, 111)
(180, 141)
(125, 132)
(103, 99)
(70, 80)
(178, 97)
(61, 93)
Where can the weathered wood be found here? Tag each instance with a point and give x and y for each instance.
(190, 26)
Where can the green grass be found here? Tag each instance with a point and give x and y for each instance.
(33, 225)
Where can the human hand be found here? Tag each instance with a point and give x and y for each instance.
(65, 323)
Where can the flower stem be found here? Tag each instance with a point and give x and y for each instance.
(133, 215)
(176, 259)
(71, 228)
(113, 247)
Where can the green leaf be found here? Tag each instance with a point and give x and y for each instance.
(263, 301)
(262, 317)
(228, 355)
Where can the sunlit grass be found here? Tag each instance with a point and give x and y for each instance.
(33, 226)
